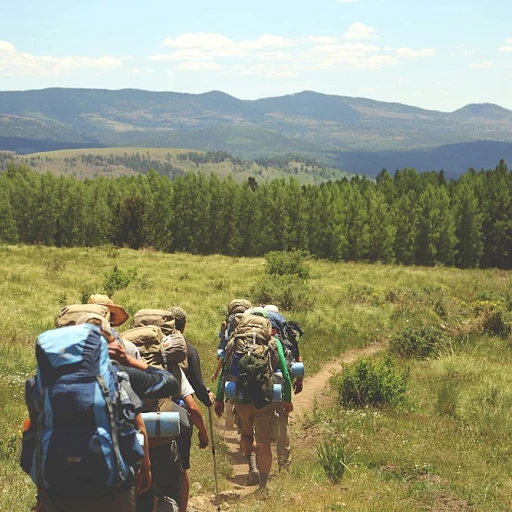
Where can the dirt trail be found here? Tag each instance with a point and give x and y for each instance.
(315, 387)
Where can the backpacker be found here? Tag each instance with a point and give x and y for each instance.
(68, 315)
(288, 335)
(251, 358)
(158, 350)
(78, 444)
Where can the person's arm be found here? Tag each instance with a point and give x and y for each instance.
(143, 477)
(195, 376)
(287, 391)
(197, 419)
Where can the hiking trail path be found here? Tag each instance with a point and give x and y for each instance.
(315, 387)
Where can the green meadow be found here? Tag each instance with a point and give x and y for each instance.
(444, 446)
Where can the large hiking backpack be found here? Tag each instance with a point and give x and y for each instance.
(288, 334)
(68, 315)
(158, 350)
(236, 308)
(78, 443)
(251, 358)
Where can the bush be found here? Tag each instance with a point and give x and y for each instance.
(288, 292)
(118, 279)
(334, 457)
(447, 399)
(284, 263)
(415, 342)
(371, 382)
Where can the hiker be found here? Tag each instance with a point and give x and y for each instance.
(69, 415)
(235, 310)
(282, 331)
(252, 357)
(118, 316)
(161, 344)
(195, 378)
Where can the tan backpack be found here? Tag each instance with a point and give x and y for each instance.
(159, 317)
(251, 330)
(68, 315)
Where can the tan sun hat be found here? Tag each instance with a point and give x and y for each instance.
(120, 315)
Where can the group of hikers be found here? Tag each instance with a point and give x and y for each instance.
(111, 415)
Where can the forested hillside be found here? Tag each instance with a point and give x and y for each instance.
(408, 218)
(357, 135)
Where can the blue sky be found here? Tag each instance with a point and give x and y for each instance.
(438, 54)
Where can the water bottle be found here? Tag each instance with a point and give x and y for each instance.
(277, 393)
(234, 364)
(231, 391)
(297, 370)
(220, 353)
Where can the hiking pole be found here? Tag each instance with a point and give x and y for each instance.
(210, 417)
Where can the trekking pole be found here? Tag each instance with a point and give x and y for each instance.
(210, 417)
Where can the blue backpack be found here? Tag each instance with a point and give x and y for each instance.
(80, 442)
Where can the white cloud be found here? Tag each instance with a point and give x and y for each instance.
(360, 31)
(486, 64)
(199, 66)
(5, 46)
(408, 52)
(273, 56)
(508, 41)
(322, 40)
(506, 48)
(267, 41)
(14, 63)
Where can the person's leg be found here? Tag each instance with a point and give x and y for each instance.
(167, 476)
(265, 432)
(243, 418)
(230, 422)
(283, 440)
(184, 445)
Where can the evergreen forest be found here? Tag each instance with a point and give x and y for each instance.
(406, 218)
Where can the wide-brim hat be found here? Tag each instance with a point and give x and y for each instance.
(120, 315)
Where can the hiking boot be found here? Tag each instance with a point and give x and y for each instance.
(285, 466)
(253, 478)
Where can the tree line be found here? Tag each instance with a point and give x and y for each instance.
(407, 218)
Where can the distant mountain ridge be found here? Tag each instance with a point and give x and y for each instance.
(328, 127)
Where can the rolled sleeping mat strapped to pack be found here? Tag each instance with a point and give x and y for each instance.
(221, 353)
(277, 393)
(231, 391)
(297, 370)
(162, 424)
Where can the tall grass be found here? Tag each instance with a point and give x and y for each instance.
(412, 457)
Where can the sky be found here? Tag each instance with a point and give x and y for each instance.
(436, 54)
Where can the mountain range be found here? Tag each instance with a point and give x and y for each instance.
(358, 135)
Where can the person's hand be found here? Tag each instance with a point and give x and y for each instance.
(117, 352)
(143, 479)
(215, 374)
(297, 386)
(218, 407)
(287, 406)
(202, 435)
(211, 396)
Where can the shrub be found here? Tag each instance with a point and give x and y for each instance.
(335, 458)
(118, 279)
(371, 382)
(283, 263)
(289, 292)
(415, 342)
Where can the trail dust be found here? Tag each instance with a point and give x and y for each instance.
(315, 388)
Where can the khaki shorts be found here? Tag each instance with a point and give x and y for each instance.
(260, 423)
